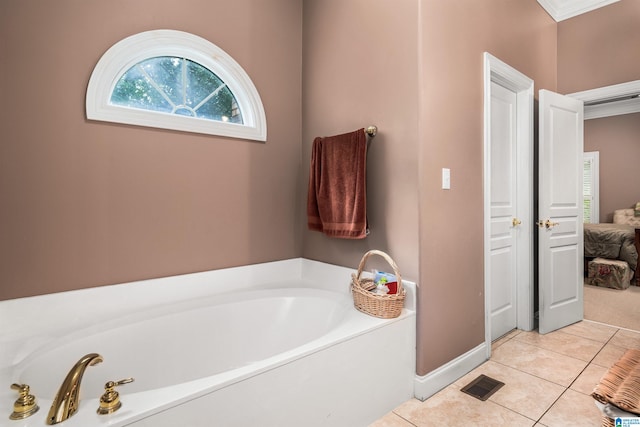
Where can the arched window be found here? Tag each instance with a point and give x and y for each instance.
(175, 80)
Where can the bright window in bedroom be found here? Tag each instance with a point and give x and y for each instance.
(590, 176)
(175, 80)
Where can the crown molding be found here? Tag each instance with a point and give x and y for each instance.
(565, 9)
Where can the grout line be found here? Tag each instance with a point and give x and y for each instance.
(574, 334)
(572, 382)
(552, 405)
(404, 419)
(553, 351)
(581, 372)
(588, 364)
(530, 374)
(613, 326)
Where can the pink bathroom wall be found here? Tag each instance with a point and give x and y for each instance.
(415, 69)
(455, 35)
(360, 68)
(599, 49)
(587, 51)
(91, 203)
(617, 139)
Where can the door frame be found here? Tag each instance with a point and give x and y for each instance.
(611, 100)
(501, 73)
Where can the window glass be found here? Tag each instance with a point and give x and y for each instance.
(177, 86)
(590, 184)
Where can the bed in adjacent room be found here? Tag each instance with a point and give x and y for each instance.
(612, 245)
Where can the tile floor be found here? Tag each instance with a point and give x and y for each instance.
(548, 380)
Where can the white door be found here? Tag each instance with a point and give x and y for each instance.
(560, 227)
(508, 200)
(504, 224)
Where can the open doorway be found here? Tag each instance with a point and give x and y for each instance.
(508, 205)
(612, 123)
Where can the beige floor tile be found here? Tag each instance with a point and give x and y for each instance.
(497, 343)
(536, 369)
(627, 339)
(391, 420)
(573, 409)
(523, 393)
(591, 330)
(588, 379)
(563, 343)
(453, 407)
(540, 362)
(609, 355)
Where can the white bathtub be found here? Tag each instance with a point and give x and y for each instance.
(275, 344)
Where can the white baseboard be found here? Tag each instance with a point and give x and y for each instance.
(428, 385)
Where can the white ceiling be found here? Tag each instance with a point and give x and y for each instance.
(565, 9)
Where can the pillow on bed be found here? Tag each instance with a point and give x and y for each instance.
(636, 211)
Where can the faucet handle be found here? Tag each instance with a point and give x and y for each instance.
(110, 400)
(26, 405)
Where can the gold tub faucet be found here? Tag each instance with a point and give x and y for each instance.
(26, 404)
(65, 404)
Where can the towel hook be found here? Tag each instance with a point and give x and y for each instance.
(371, 131)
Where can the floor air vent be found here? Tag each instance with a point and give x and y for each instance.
(482, 387)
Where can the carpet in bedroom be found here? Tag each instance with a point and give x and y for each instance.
(612, 306)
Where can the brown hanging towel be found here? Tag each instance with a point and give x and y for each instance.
(337, 202)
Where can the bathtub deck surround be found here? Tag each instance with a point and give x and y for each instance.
(311, 349)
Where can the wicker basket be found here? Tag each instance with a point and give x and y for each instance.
(386, 306)
(619, 386)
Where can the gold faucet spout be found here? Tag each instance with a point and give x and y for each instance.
(65, 404)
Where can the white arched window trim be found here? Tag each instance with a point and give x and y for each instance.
(139, 47)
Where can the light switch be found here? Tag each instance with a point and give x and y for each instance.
(446, 179)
